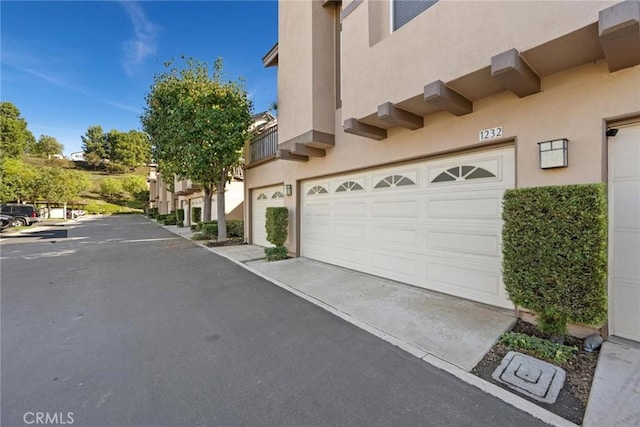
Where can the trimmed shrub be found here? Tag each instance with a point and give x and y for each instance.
(276, 253)
(196, 214)
(554, 245)
(180, 215)
(153, 213)
(235, 228)
(276, 225)
(277, 222)
(170, 219)
(199, 236)
(209, 229)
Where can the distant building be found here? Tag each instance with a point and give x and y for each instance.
(77, 156)
(262, 121)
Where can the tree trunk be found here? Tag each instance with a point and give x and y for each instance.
(222, 220)
(206, 208)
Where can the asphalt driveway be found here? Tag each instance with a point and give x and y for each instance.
(122, 323)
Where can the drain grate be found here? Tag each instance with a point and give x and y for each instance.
(530, 376)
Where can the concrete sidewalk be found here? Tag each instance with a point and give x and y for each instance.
(615, 394)
(454, 330)
(448, 332)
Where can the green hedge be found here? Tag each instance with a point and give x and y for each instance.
(209, 229)
(555, 253)
(277, 222)
(235, 228)
(170, 220)
(275, 253)
(196, 214)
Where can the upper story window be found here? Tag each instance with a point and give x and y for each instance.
(404, 11)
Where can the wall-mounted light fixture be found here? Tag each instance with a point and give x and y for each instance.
(554, 154)
(288, 190)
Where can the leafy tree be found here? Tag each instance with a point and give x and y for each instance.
(78, 182)
(47, 146)
(59, 185)
(111, 188)
(198, 125)
(93, 159)
(15, 138)
(17, 180)
(136, 186)
(94, 141)
(131, 148)
(273, 106)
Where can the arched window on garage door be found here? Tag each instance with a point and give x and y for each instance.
(462, 173)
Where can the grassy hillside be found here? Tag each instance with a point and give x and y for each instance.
(95, 202)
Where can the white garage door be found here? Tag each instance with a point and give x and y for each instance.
(435, 224)
(261, 199)
(624, 212)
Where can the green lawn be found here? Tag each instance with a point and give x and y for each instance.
(95, 202)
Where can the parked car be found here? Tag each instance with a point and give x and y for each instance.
(23, 214)
(7, 221)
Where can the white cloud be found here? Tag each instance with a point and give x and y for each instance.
(55, 80)
(143, 44)
(123, 106)
(61, 82)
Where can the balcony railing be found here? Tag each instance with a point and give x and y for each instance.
(264, 144)
(185, 187)
(238, 173)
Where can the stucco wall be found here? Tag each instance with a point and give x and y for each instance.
(233, 202)
(306, 61)
(450, 39)
(572, 105)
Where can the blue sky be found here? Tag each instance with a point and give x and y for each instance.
(70, 65)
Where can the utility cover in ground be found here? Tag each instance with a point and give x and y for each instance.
(532, 377)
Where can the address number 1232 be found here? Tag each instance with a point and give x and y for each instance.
(490, 133)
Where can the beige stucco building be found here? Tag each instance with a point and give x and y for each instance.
(399, 129)
(187, 195)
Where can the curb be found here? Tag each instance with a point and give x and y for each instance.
(489, 388)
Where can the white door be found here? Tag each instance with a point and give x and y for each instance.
(261, 199)
(624, 214)
(434, 224)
